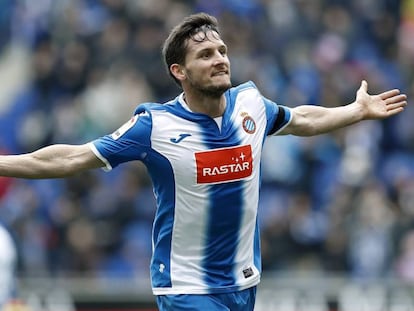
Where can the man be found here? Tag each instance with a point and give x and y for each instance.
(8, 258)
(202, 151)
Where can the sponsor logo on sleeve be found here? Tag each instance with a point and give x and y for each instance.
(222, 165)
(125, 127)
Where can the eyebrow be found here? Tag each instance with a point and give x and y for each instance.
(208, 49)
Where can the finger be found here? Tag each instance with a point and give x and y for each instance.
(389, 93)
(364, 86)
(396, 99)
(397, 106)
(395, 111)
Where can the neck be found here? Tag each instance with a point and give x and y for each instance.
(211, 106)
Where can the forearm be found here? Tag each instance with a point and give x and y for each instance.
(313, 120)
(50, 162)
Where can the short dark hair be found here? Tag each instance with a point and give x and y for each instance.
(175, 46)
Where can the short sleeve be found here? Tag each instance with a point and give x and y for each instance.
(128, 143)
(278, 117)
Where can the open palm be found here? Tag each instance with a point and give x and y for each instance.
(382, 105)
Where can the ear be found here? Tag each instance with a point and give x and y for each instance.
(178, 72)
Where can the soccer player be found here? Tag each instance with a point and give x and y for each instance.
(8, 260)
(202, 150)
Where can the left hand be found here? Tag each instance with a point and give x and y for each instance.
(382, 105)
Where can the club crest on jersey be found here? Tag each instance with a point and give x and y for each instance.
(125, 127)
(248, 123)
(223, 165)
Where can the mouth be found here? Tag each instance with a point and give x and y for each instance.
(220, 73)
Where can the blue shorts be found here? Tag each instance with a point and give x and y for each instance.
(238, 301)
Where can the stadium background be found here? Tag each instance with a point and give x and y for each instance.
(337, 210)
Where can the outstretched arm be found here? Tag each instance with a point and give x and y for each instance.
(50, 162)
(314, 120)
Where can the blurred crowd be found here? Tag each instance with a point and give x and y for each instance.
(74, 70)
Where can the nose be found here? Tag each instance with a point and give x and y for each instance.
(220, 58)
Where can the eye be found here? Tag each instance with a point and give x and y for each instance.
(223, 51)
(205, 55)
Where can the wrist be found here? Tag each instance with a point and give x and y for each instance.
(357, 110)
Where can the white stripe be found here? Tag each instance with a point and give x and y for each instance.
(253, 281)
(245, 250)
(191, 210)
(107, 166)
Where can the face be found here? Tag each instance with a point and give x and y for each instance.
(207, 67)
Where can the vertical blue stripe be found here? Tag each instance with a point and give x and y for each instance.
(257, 260)
(162, 176)
(225, 208)
(225, 214)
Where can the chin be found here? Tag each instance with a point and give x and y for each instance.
(223, 86)
(216, 90)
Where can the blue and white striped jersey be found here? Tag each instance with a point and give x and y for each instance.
(206, 181)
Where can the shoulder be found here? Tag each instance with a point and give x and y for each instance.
(249, 85)
(150, 107)
(246, 92)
